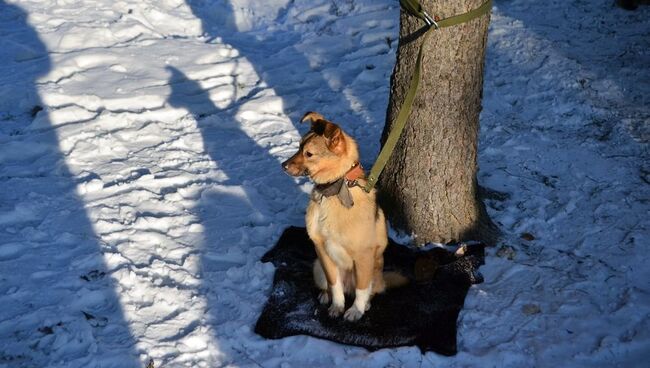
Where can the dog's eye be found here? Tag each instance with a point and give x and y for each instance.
(308, 154)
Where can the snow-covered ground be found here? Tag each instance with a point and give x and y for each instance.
(140, 144)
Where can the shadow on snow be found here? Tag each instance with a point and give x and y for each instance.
(59, 303)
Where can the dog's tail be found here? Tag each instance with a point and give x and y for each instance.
(394, 279)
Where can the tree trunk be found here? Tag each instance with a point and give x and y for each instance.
(428, 187)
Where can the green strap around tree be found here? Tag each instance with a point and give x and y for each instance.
(414, 8)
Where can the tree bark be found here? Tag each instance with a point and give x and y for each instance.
(428, 187)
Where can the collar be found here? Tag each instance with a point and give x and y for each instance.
(355, 172)
(350, 179)
(329, 189)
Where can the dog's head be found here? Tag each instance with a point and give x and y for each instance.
(326, 153)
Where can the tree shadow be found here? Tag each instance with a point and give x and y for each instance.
(59, 302)
(236, 154)
(236, 211)
(301, 73)
(586, 35)
(233, 210)
(562, 79)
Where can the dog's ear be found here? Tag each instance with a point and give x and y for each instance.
(334, 136)
(316, 119)
(329, 130)
(319, 124)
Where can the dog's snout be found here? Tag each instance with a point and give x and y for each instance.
(285, 165)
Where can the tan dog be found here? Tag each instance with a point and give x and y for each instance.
(344, 222)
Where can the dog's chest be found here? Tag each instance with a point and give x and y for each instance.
(339, 255)
(334, 224)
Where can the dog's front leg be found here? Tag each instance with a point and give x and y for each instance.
(363, 272)
(334, 281)
(338, 297)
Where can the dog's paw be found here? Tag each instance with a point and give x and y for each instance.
(335, 310)
(353, 314)
(324, 297)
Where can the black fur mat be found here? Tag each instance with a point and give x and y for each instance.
(422, 313)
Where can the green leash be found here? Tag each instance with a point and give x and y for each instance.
(415, 9)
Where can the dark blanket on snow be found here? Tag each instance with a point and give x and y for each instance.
(423, 313)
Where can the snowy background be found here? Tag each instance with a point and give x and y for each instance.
(140, 144)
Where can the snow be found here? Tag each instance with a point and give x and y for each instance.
(140, 144)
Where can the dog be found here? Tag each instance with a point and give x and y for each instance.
(344, 222)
